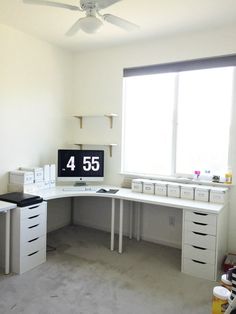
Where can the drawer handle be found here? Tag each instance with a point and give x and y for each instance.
(198, 247)
(33, 253)
(32, 217)
(195, 261)
(33, 240)
(200, 214)
(34, 207)
(199, 223)
(199, 233)
(33, 226)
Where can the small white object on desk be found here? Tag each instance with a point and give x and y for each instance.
(187, 191)
(218, 195)
(46, 176)
(52, 176)
(161, 188)
(137, 185)
(21, 177)
(202, 193)
(173, 190)
(148, 187)
(26, 188)
(38, 173)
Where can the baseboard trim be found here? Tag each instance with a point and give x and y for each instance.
(148, 239)
(59, 226)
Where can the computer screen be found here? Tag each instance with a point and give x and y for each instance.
(80, 165)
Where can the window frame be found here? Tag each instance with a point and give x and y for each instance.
(189, 65)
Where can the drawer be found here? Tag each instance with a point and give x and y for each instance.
(198, 253)
(200, 239)
(32, 260)
(32, 210)
(198, 269)
(32, 232)
(31, 221)
(200, 227)
(33, 245)
(201, 217)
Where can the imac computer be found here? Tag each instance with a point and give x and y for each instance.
(80, 166)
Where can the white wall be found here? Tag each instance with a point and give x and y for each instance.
(98, 88)
(35, 90)
(35, 82)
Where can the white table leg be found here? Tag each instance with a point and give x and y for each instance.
(121, 226)
(112, 223)
(138, 220)
(72, 209)
(7, 242)
(131, 205)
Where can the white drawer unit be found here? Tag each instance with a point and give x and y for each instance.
(200, 239)
(199, 253)
(28, 237)
(203, 243)
(198, 268)
(201, 217)
(200, 227)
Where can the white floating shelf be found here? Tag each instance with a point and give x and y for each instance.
(96, 144)
(110, 116)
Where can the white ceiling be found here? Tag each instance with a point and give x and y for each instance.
(156, 18)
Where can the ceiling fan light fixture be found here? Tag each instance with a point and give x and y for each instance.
(90, 24)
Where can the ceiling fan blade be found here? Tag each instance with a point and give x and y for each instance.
(74, 28)
(53, 4)
(117, 21)
(102, 4)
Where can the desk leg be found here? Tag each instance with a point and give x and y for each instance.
(121, 226)
(131, 204)
(7, 242)
(72, 207)
(112, 223)
(138, 220)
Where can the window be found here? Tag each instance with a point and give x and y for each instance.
(176, 122)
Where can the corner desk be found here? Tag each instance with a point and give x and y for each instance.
(204, 227)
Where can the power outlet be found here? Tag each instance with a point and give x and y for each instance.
(171, 220)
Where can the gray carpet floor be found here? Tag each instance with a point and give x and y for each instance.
(82, 276)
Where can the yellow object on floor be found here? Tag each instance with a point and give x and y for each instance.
(220, 300)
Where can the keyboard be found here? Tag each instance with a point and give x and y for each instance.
(81, 188)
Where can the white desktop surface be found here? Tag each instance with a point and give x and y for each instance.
(127, 194)
(124, 194)
(5, 206)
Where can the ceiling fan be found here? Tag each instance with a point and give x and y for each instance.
(90, 23)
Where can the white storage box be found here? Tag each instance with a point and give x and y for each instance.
(187, 191)
(148, 187)
(46, 173)
(218, 195)
(26, 188)
(202, 193)
(173, 190)
(137, 185)
(52, 176)
(21, 177)
(38, 173)
(161, 188)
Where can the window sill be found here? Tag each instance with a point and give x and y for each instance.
(177, 179)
